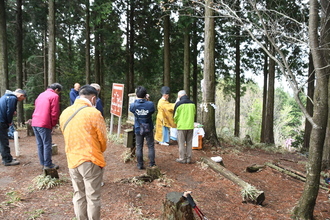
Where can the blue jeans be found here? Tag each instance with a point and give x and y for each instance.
(139, 148)
(44, 143)
(4, 144)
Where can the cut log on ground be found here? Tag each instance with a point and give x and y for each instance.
(29, 130)
(254, 168)
(257, 199)
(154, 172)
(292, 174)
(51, 172)
(176, 207)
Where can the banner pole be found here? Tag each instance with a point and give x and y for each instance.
(119, 126)
(111, 124)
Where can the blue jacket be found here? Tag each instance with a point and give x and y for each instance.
(99, 105)
(73, 95)
(142, 110)
(8, 103)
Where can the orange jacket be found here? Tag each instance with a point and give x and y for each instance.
(85, 135)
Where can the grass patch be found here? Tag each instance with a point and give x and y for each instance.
(35, 214)
(46, 182)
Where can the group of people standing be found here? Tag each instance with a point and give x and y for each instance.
(84, 130)
(84, 134)
(179, 115)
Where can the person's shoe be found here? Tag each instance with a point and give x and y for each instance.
(10, 137)
(52, 166)
(141, 168)
(181, 161)
(14, 162)
(154, 165)
(163, 143)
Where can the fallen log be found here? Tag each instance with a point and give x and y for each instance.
(290, 173)
(256, 197)
(292, 170)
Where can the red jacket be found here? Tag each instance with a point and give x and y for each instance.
(47, 109)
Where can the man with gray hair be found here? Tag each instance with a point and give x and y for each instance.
(184, 115)
(8, 105)
(99, 105)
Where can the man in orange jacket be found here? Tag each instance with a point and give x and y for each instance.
(85, 138)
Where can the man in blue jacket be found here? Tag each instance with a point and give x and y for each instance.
(8, 104)
(184, 115)
(143, 110)
(74, 93)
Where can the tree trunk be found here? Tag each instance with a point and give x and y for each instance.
(3, 50)
(309, 104)
(45, 58)
(88, 45)
(238, 76)
(326, 55)
(306, 204)
(269, 120)
(186, 62)
(194, 63)
(51, 43)
(19, 60)
(97, 66)
(209, 78)
(264, 99)
(131, 47)
(167, 75)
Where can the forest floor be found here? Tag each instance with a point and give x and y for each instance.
(216, 196)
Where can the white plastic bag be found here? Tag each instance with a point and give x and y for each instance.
(173, 134)
(217, 159)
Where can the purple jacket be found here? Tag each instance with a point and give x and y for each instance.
(47, 109)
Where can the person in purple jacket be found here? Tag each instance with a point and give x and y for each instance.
(44, 119)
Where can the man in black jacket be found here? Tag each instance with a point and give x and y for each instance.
(8, 104)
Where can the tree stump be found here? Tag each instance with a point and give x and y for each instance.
(154, 172)
(176, 207)
(54, 149)
(29, 130)
(51, 172)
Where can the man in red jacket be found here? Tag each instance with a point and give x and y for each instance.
(44, 119)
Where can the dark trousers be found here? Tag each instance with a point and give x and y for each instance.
(139, 148)
(4, 144)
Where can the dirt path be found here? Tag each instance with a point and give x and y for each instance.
(216, 196)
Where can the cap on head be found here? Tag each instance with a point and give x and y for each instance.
(165, 90)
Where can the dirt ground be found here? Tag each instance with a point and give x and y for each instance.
(216, 196)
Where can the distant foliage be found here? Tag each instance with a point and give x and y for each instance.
(288, 119)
